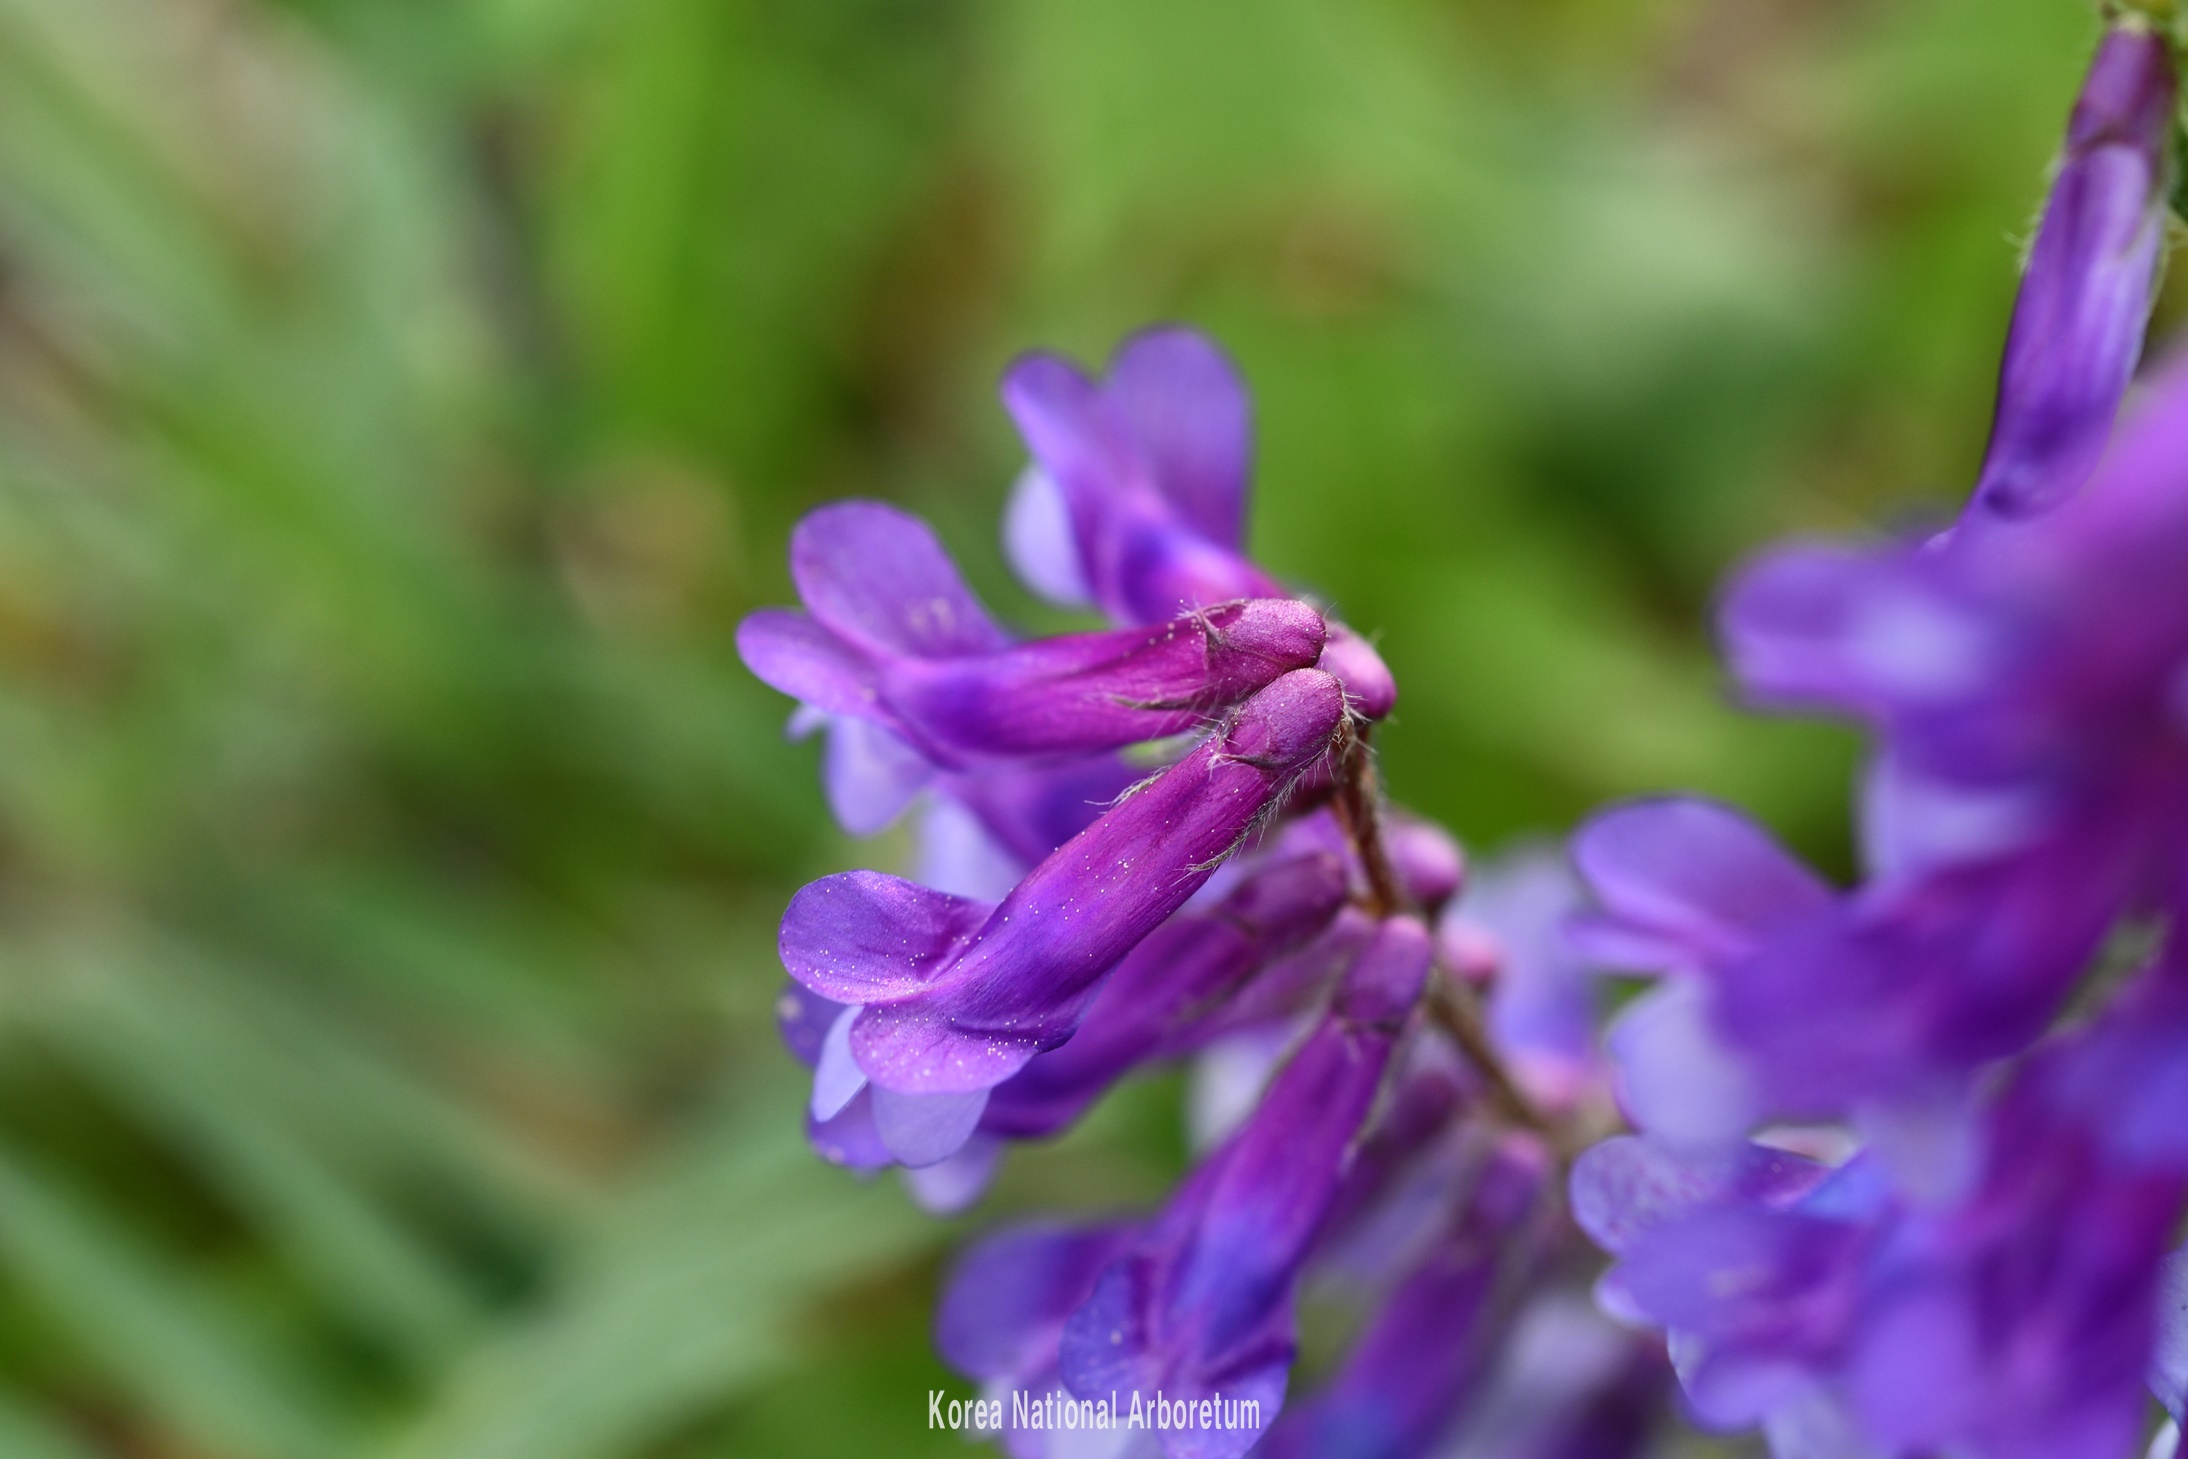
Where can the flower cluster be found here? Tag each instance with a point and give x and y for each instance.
(1911, 1156)
(1374, 1130)
(1908, 1159)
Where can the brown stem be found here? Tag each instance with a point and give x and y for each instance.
(1451, 1003)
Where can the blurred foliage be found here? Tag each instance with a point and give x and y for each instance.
(400, 401)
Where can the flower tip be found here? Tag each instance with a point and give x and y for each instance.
(1289, 723)
(1281, 631)
(1369, 687)
(1382, 986)
(2128, 95)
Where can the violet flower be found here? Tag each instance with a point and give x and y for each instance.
(1137, 499)
(895, 638)
(2085, 298)
(1568, 1385)
(2016, 1319)
(1187, 966)
(949, 997)
(2032, 782)
(1200, 1306)
(1003, 1309)
(1434, 1339)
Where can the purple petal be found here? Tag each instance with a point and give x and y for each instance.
(1370, 688)
(1852, 630)
(1699, 873)
(870, 775)
(1629, 1185)
(1038, 541)
(1917, 1376)
(860, 936)
(1030, 811)
(1228, 1080)
(1428, 859)
(921, 1129)
(803, 1019)
(951, 1186)
(850, 1139)
(1912, 823)
(1676, 1076)
(1079, 693)
(1569, 1386)
(837, 1079)
(1384, 984)
(1189, 414)
(2086, 297)
(1105, 1346)
(1423, 1355)
(920, 1048)
(958, 855)
(2169, 1360)
(1004, 1305)
(1024, 982)
(791, 652)
(878, 577)
(1817, 1426)
(1929, 1139)
(1255, 1388)
(1079, 443)
(1542, 1004)
(1184, 966)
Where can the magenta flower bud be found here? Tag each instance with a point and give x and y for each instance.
(956, 996)
(1201, 1305)
(2085, 299)
(1369, 686)
(1427, 858)
(876, 583)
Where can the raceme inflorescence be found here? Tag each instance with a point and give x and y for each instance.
(1907, 1161)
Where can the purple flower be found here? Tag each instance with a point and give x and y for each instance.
(1429, 1346)
(1570, 1386)
(2085, 299)
(1429, 862)
(1790, 998)
(2031, 786)
(949, 997)
(2015, 1319)
(1182, 969)
(1137, 499)
(894, 638)
(1200, 1306)
(1004, 1306)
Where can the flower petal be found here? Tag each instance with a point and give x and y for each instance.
(2085, 299)
(863, 936)
(870, 775)
(879, 577)
(837, 1078)
(1039, 543)
(792, 652)
(1004, 1305)
(921, 1129)
(1676, 1077)
(1697, 872)
(1190, 416)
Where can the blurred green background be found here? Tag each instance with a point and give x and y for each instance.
(401, 400)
